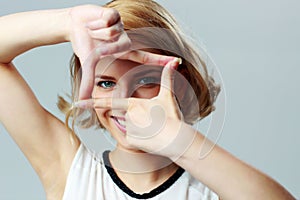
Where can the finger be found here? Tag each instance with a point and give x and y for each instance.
(111, 16)
(148, 58)
(108, 48)
(110, 103)
(87, 76)
(108, 34)
(97, 24)
(113, 103)
(84, 104)
(167, 77)
(107, 18)
(87, 82)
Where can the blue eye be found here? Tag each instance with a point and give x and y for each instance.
(106, 84)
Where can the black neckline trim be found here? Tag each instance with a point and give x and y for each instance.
(131, 193)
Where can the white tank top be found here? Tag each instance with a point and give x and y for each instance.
(90, 179)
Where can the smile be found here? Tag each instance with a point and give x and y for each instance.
(120, 123)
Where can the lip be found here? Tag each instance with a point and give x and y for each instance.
(120, 127)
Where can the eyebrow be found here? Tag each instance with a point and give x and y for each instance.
(144, 72)
(105, 77)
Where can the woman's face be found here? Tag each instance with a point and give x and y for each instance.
(123, 79)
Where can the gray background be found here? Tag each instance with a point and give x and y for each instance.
(255, 45)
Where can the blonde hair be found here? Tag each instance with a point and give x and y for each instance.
(161, 31)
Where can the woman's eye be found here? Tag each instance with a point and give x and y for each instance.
(106, 84)
(149, 81)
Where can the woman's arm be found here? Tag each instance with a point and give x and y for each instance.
(45, 141)
(42, 137)
(228, 176)
(23, 31)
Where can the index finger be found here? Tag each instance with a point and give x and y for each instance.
(145, 57)
(167, 77)
(87, 73)
(111, 103)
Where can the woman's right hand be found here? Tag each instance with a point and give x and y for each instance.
(94, 27)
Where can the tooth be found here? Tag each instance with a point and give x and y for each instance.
(122, 122)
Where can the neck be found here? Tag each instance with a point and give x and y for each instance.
(141, 171)
(137, 162)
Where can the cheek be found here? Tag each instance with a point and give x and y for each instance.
(99, 112)
(102, 117)
(98, 93)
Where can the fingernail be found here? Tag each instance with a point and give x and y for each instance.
(175, 63)
(179, 60)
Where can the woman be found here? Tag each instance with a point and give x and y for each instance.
(70, 170)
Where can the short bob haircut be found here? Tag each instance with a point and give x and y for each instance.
(156, 28)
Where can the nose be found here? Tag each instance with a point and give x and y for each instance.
(123, 90)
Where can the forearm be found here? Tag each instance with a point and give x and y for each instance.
(229, 177)
(23, 31)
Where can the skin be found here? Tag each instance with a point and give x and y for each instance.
(87, 27)
(116, 81)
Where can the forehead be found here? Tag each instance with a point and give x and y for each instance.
(117, 67)
(110, 65)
